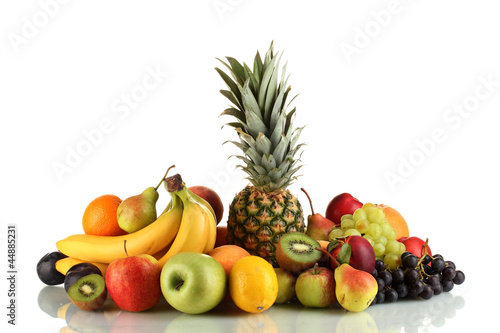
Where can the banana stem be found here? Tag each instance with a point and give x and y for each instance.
(163, 179)
(174, 183)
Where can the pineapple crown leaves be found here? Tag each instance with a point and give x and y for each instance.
(267, 136)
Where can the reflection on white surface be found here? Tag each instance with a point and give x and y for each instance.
(403, 315)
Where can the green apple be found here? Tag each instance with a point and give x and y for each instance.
(286, 285)
(315, 287)
(193, 282)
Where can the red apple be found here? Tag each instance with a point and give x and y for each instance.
(340, 205)
(353, 250)
(415, 245)
(212, 198)
(134, 282)
(315, 287)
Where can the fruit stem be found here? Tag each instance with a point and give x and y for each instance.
(423, 250)
(310, 201)
(425, 246)
(166, 173)
(174, 183)
(125, 246)
(330, 255)
(315, 269)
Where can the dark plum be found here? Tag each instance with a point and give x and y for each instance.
(77, 271)
(355, 251)
(46, 268)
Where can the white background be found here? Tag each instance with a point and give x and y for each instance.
(66, 68)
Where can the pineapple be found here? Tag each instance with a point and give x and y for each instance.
(264, 210)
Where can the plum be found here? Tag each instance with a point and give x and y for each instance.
(46, 269)
(353, 250)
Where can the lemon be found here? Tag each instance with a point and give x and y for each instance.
(253, 284)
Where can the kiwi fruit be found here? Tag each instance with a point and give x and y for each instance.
(46, 269)
(297, 252)
(85, 286)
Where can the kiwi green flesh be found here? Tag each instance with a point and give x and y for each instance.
(299, 252)
(87, 288)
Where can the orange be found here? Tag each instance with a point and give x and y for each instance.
(100, 218)
(228, 255)
(397, 221)
(253, 284)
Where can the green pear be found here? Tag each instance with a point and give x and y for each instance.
(138, 211)
(355, 289)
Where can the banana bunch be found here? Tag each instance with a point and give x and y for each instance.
(198, 228)
(188, 224)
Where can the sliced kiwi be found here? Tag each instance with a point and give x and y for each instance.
(85, 286)
(296, 252)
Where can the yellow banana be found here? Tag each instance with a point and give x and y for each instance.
(200, 200)
(211, 234)
(63, 265)
(158, 255)
(212, 224)
(204, 203)
(195, 227)
(149, 240)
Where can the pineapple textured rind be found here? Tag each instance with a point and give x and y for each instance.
(258, 220)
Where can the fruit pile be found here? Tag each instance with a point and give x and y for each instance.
(356, 256)
(342, 269)
(125, 245)
(402, 266)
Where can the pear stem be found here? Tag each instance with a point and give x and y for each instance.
(310, 201)
(166, 173)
